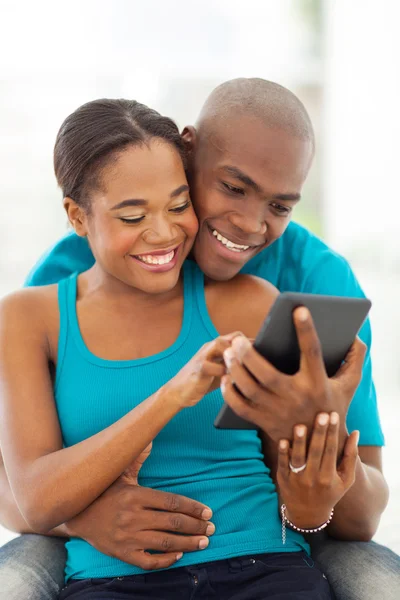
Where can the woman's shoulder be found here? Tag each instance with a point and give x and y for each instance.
(30, 309)
(30, 297)
(240, 303)
(250, 284)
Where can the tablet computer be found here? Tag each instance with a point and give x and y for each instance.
(337, 321)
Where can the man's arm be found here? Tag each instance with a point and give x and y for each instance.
(127, 520)
(70, 254)
(358, 513)
(277, 402)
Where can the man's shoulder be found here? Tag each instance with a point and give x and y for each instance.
(68, 255)
(305, 248)
(305, 263)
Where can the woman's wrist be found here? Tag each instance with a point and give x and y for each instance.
(171, 397)
(308, 518)
(309, 529)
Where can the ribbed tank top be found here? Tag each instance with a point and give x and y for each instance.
(224, 469)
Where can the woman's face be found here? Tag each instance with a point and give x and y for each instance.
(141, 224)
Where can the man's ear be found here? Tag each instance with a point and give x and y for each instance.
(76, 216)
(189, 137)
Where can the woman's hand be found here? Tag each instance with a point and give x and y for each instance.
(202, 373)
(310, 494)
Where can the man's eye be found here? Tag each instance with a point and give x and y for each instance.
(233, 189)
(180, 209)
(280, 208)
(132, 220)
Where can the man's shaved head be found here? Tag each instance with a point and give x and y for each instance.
(271, 103)
(249, 155)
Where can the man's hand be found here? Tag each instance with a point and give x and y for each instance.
(276, 402)
(127, 520)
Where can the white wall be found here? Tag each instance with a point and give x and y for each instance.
(362, 190)
(56, 55)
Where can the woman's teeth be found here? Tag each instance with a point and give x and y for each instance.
(228, 243)
(160, 259)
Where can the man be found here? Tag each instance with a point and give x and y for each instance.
(249, 156)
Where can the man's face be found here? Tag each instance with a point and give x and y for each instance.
(245, 181)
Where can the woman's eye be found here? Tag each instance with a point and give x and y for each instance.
(233, 189)
(282, 210)
(179, 209)
(132, 220)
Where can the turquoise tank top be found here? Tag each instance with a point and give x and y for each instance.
(221, 468)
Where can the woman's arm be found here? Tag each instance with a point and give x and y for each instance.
(320, 483)
(51, 484)
(10, 515)
(358, 513)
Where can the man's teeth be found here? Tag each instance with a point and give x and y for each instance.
(228, 243)
(151, 259)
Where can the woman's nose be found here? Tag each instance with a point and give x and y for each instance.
(161, 231)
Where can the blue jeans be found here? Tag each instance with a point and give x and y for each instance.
(32, 568)
(278, 576)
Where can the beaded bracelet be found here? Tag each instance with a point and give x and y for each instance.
(285, 521)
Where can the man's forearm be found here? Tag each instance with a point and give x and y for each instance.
(358, 513)
(10, 515)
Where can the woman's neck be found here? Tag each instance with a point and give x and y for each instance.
(97, 282)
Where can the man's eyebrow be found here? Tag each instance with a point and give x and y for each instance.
(142, 202)
(287, 197)
(246, 180)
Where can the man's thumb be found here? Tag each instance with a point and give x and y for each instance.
(131, 473)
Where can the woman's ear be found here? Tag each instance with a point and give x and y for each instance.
(76, 216)
(189, 137)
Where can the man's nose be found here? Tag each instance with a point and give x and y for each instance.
(249, 223)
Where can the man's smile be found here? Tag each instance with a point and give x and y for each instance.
(233, 246)
(229, 249)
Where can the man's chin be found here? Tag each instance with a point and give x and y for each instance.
(219, 270)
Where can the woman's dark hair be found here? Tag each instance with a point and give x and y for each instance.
(89, 138)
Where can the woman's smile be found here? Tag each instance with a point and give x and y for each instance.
(158, 261)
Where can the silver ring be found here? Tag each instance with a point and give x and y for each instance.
(297, 469)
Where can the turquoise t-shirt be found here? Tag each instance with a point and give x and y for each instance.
(298, 262)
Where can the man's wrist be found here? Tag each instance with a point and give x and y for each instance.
(69, 529)
(343, 435)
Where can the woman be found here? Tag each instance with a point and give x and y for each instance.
(100, 382)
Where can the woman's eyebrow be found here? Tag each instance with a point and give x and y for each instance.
(130, 202)
(179, 191)
(142, 202)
